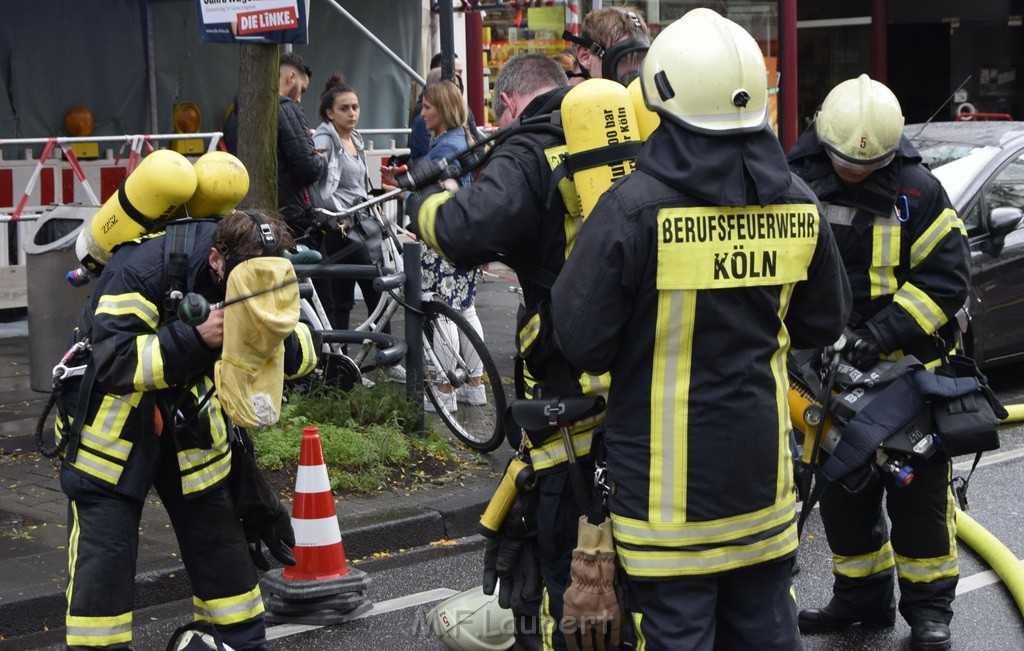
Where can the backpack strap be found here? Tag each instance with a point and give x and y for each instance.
(180, 236)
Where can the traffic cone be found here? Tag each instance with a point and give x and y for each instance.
(320, 588)
(319, 552)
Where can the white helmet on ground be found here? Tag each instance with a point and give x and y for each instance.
(860, 124)
(472, 621)
(708, 74)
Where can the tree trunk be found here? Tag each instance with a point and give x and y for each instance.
(257, 123)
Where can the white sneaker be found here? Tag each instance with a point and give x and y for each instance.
(395, 373)
(448, 402)
(472, 395)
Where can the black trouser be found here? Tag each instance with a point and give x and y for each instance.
(750, 608)
(103, 542)
(338, 294)
(923, 544)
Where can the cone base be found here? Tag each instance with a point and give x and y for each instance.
(274, 582)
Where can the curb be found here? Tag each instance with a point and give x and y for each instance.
(363, 536)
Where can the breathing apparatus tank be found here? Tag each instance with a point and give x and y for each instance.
(159, 185)
(646, 119)
(601, 137)
(221, 182)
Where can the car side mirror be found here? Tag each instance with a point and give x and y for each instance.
(1001, 222)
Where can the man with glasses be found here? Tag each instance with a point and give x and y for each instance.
(905, 252)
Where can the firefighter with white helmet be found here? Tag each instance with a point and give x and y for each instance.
(689, 281)
(905, 252)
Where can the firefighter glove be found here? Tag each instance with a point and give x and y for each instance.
(592, 608)
(511, 558)
(273, 530)
(861, 349)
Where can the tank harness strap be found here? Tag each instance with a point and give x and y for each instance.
(180, 236)
(616, 153)
(134, 213)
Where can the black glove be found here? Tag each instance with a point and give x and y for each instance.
(511, 556)
(861, 349)
(265, 519)
(273, 530)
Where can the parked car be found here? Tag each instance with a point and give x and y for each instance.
(981, 166)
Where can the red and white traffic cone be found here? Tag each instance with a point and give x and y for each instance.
(319, 551)
(320, 588)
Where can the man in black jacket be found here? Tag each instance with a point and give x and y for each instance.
(299, 164)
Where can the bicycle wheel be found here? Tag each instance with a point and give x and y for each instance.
(454, 356)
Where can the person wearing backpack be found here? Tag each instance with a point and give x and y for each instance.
(157, 408)
(905, 251)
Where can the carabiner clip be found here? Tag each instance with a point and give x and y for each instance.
(903, 215)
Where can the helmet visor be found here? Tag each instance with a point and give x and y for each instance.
(859, 169)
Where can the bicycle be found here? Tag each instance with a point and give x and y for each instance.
(454, 354)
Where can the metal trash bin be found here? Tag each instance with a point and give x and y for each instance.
(53, 303)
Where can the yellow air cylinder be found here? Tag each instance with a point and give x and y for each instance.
(221, 183)
(597, 115)
(646, 119)
(163, 181)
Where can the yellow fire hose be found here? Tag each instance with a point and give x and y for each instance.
(996, 554)
(1016, 413)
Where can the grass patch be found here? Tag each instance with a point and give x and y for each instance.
(367, 436)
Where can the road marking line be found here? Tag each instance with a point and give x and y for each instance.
(990, 459)
(391, 605)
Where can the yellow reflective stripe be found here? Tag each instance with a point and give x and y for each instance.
(308, 355)
(784, 470)
(663, 563)
(552, 452)
(670, 385)
(885, 257)
(862, 565)
(529, 333)
(547, 622)
(73, 537)
(98, 467)
(216, 471)
(149, 370)
(641, 640)
(925, 312)
(98, 631)
(927, 570)
(133, 304)
(947, 221)
(229, 610)
(686, 534)
(428, 218)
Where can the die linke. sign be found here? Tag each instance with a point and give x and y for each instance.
(253, 21)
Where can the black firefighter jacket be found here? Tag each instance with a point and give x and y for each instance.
(904, 247)
(513, 213)
(152, 371)
(690, 281)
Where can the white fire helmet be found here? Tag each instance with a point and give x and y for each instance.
(472, 621)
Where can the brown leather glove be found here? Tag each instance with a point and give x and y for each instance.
(592, 609)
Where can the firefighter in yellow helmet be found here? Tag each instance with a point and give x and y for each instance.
(145, 414)
(689, 282)
(905, 251)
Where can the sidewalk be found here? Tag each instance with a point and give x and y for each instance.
(33, 510)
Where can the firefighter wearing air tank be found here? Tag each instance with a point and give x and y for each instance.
(689, 283)
(145, 414)
(526, 209)
(905, 251)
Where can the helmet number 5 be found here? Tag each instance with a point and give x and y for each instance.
(863, 142)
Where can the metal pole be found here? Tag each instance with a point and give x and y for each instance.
(446, 16)
(380, 44)
(788, 130)
(475, 66)
(151, 69)
(414, 328)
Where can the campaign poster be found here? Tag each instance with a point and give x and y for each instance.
(253, 21)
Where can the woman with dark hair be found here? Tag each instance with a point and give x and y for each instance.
(344, 185)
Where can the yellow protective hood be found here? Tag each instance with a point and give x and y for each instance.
(250, 373)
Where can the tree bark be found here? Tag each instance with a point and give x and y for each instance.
(258, 75)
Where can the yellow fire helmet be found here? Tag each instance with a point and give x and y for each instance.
(861, 122)
(708, 74)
